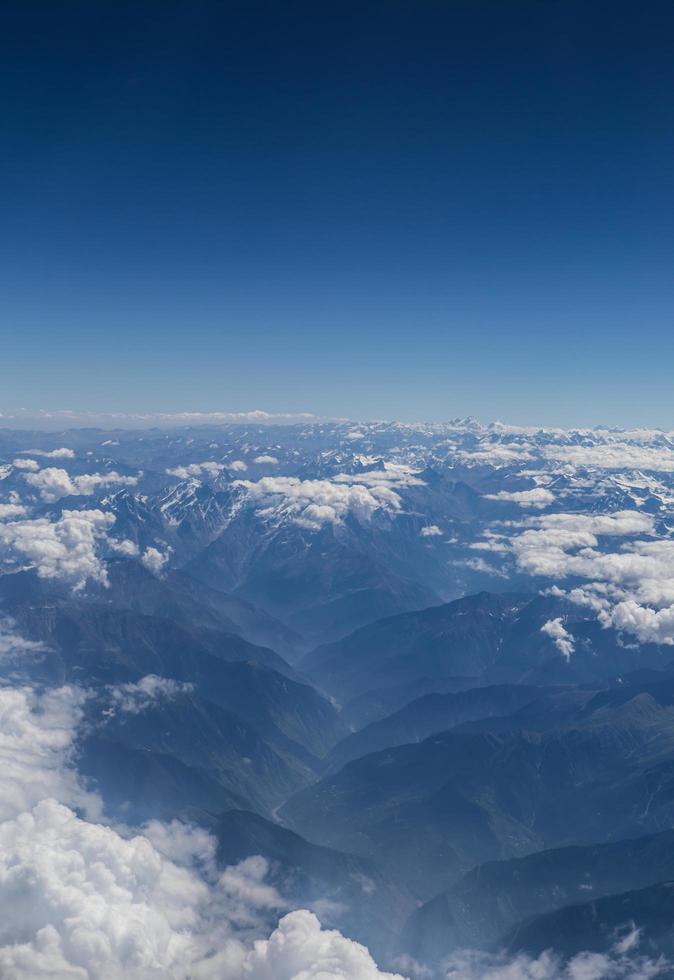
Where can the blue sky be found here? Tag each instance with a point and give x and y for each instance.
(397, 209)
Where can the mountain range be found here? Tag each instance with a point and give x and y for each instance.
(425, 674)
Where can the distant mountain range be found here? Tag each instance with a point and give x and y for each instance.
(426, 672)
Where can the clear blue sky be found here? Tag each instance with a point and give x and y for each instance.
(393, 209)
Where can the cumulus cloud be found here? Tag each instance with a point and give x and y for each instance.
(53, 483)
(36, 745)
(84, 901)
(630, 587)
(80, 901)
(565, 544)
(132, 698)
(124, 547)
(299, 949)
(237, 466)
(647, 624)
(269, 460)
(64, 549)
(61, 453)
(563, 640)
(183, 843)
(26, 464)
(313, 503)
(243, 892)
(537, 498)
(196, 469)
(430, 531)
(155, 560)
(12, 510)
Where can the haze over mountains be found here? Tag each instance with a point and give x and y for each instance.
(417, 681)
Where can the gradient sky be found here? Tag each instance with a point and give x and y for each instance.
(396, 209)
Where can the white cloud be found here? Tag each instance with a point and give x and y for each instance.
(300, 950)
(83, 901)
(133, 698)
(630, 588)
(54, 483)
(430, 531)
(237, 466)
(565, 544)
(269, 460)
(14, 646)
(124, 547)
(62, 453)
(77, 899)
(196, 469)
(496, 453)
(154, 560)
(491, 541)
(26, 464)
(80, 901)
(312, 503)
(36, 742)
(243, 892)
(562, 450)
(181, 842)
(647, 624)
(12, 510)
(480, 565)
(63, 549)
(538, 498)
(621, 962)
(615, 456)
(560, 546)
(563, 640)
(394, 475)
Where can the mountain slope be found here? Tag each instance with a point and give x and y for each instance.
(213, 744)
(489, 902)
(429, 715)
(599, 926)
(320, 582)
(434, 809)
(493, 638)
